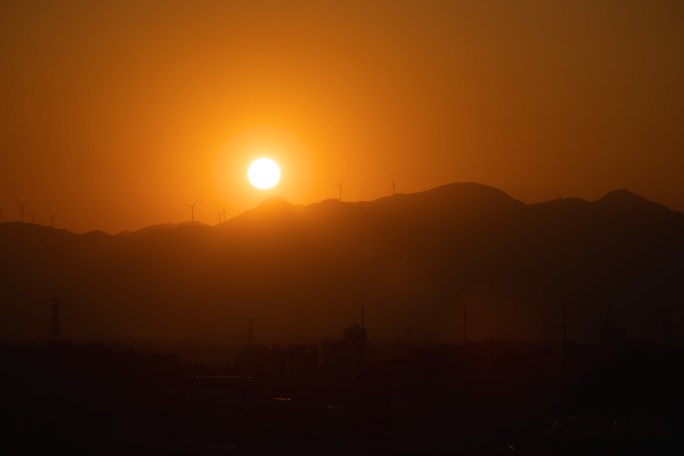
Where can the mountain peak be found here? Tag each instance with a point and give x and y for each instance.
(622, 197)
(271, 200)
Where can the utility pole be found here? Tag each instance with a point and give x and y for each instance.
(54, 322)
(465, 339)
(565, 358)
(250, 332)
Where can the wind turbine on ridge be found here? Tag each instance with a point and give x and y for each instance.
(341, 191)
(192, 213)
(394, 186)
(52, 218)
(32, 214)
(22, 208)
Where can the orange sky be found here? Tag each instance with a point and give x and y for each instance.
(113, 111)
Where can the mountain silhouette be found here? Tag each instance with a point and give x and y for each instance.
(138, 234)
(413, 260)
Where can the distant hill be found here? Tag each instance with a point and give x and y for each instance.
(147, 230)
(413, 260)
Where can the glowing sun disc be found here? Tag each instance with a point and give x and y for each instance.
(264, 173)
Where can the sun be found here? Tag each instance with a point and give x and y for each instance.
(264, 173)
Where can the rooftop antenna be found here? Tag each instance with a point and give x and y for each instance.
(340, 185)
(22, 208)
(52, 218)
(54, 322)
(394, 186)
(192, 213)
(250, 332)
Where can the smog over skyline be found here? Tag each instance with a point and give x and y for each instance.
(379, 227)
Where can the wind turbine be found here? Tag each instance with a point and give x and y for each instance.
(394, 186)
(340, 185)
(218, 216)
(192, 213)
(32, 214)
(22, 208)
(52, 218)
(560, 195)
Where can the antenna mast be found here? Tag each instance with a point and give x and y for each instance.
(565, 353)
(54, 322)
(465, 340)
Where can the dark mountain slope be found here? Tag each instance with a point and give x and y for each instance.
(141, 233)
(414, 260)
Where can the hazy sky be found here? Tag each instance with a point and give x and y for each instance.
(113, 111)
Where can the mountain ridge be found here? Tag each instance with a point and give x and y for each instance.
(413, 260)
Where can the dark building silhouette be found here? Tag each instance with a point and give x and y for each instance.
(255, 360)
(291, 362)
(295, 362)
(344, 359)
(613, 337)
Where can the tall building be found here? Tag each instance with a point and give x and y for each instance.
(345, 358)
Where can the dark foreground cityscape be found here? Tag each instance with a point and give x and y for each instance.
(614, 396)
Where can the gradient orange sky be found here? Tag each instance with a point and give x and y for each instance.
(113, 111)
